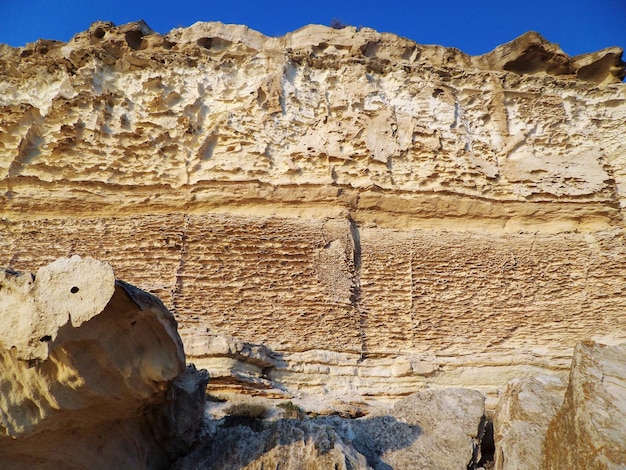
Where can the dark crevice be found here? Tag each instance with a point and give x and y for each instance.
(134, 39)
(177, 288)
(99, 33)
(355, 298)
(487, 445)
(484, 447)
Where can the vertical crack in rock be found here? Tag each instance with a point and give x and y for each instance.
(592, 247)
(356, 290)
(612, 184)
(411, 301)
(178, 286)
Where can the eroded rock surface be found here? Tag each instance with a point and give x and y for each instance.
(521, 420)
(430, 429)
(380, 214)
(589, 431)
(92, 372)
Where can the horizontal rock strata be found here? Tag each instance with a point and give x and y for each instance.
(378, 214)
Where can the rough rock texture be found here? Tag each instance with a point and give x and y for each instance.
(450, 423)
(92, 372)
(378, 214)
(589, 431)
(430, 429)
(521, 420)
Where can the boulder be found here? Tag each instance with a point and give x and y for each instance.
(286, 443)
(92, 372)
(589, 431)
(430, 429)
(521, 420)
(440, 428)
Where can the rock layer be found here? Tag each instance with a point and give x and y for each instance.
(380, 215)
(91, 372)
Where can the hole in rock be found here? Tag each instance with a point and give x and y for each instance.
(205, 42)
(216, 44)
(99, 33)
(74, 289)
(168, 44)
(134, 39)
(487, 445)
(45, 339)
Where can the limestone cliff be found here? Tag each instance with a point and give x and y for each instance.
(373, 214)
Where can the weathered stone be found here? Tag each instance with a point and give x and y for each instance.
(430, 429)
(287, 443)
(589, 431)
(450, 422)
(35, 307)
(92, 372)
(521, 420)
(415, 215)
(233, 363)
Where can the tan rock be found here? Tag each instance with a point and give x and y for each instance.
(69, 290)
(93, 372)
(330, 194)
(589, 431)
(521, 420)
(531, 53)
(430, 429)
(288, 443)
(447, 426)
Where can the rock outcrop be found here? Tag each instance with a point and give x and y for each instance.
(337, 213)
(551, 423)
(589, 431)
(521, 420)
(92, 372)
(377, 214)
(430, 429)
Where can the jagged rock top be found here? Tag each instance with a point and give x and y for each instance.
(527, 54)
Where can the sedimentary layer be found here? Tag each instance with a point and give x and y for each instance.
(377, 214)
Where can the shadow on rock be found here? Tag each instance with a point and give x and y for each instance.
(373, 437)
(325, 442)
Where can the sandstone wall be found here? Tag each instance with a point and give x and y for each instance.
(376, 212)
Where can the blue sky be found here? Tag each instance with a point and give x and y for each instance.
(475, 27)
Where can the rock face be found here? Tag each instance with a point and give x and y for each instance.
(92, 372)
(549, 422)
(521, 420)
(589, 431)
(377, 214)
(430, 429)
